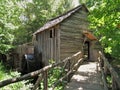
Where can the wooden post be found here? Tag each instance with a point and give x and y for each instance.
(105, 73)
(105, 70)
(102, 67)
(98, 65)
(69, 68)
(114, 85)
(45, 82)
(37, 82)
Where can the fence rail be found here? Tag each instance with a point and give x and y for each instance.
(106, 69)
(71, 63)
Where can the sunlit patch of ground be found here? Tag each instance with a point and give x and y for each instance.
(86, 78)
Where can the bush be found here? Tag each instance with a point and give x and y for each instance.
(6, 74)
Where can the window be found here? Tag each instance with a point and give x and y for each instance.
(52, 33)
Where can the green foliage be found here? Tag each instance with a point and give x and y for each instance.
(2, 70)
(8, 23)
(109, 81)
(6, 74)
(20, 85)
(54, 76)
(105, 21)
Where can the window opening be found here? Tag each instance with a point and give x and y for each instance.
(52, 33)
(87, 49)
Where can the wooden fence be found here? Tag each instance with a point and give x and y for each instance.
(107, 69)
(70, 64)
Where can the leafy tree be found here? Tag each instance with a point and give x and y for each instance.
(105, 21)
(9, 12)
(20, 18)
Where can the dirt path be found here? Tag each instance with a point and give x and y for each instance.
(86, 78)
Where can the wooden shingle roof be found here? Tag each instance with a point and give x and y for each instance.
(59, 19)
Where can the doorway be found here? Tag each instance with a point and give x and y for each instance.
(87, 50)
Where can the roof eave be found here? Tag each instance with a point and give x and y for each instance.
(59, 19)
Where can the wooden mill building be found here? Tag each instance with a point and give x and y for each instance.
(64, 35)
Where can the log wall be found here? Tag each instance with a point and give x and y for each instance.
(71, 33)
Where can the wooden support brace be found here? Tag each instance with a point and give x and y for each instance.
(114, 84)
(45, 82)
(69, 68)
(37, 82)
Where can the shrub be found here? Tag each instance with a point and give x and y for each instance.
(6, 74)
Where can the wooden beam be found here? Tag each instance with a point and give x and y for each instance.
(37, 82)
(45, 75)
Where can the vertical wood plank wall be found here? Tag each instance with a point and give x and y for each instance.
(48, 46)
(71, 33)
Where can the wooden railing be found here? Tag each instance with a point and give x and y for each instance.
(107, 69)
(70, 64)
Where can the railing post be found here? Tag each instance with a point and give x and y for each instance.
(105, 71)
(45, 82)
(106, 74)
(69, 68)
(114, 85)
(37, 82)
(103, 67)
(98, 66)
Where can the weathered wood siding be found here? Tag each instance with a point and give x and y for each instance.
(20, 51)
(48, 45)
(71, 33)
(95, 48)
